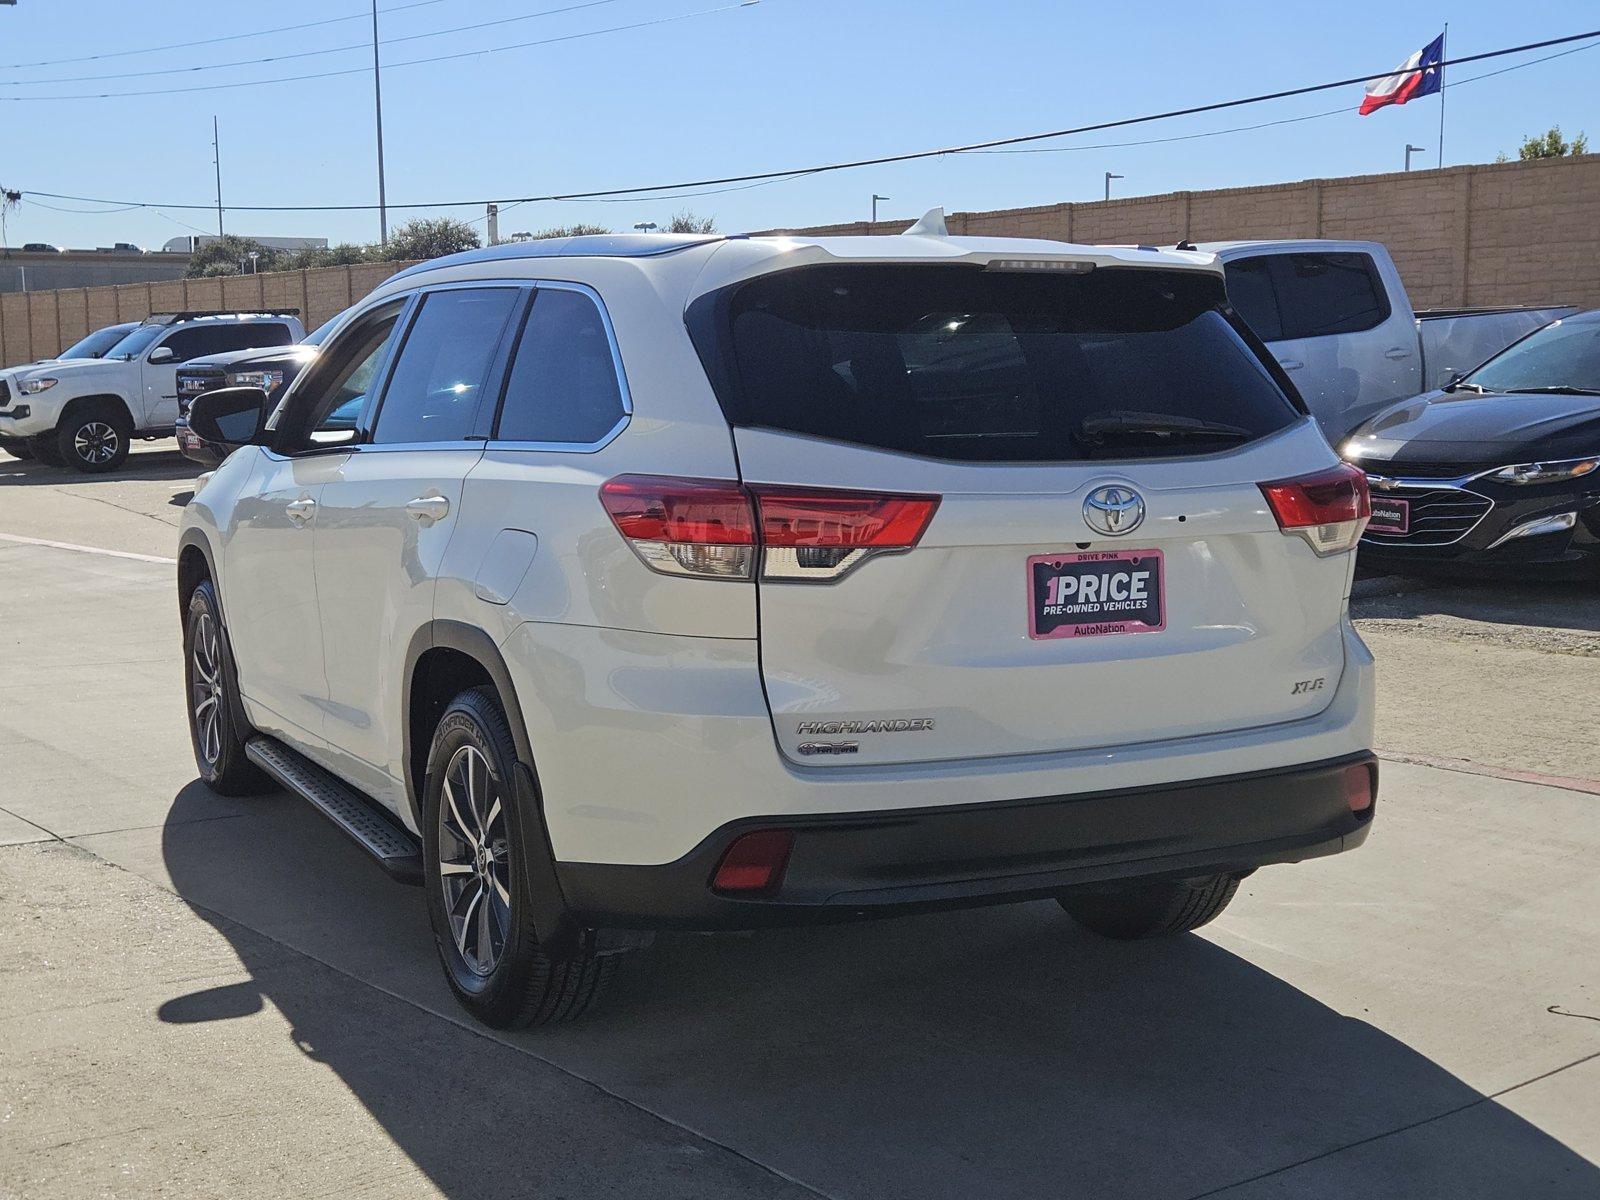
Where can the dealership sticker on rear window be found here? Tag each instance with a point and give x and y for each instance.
(1094, 592)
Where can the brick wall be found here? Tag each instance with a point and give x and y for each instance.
(1498, 233)
(39, 324)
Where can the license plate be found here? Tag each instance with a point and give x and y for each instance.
(1390, 515)
(1088, 593)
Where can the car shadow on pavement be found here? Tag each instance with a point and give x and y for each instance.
(154, 465)
(994, 1052)
(1533, 604)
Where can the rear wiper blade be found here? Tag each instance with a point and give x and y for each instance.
(1560, 389)
(1161, 426)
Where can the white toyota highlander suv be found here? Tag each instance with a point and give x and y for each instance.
(717, 582)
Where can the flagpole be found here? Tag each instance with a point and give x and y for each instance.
(1444, 56)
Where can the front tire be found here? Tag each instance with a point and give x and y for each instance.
(213, 701)
(1151, 909)
(478, 899)
(94, 438)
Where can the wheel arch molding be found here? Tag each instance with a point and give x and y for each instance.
(558, 931)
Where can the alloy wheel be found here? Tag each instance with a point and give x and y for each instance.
(205, 688)
(474, 870)
(95, 443)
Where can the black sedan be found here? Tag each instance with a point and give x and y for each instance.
(1499, 472)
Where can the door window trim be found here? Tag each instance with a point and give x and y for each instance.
(495, 441)
(494, 381)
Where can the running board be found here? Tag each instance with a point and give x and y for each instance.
(397, 850)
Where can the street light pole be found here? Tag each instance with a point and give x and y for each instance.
(377, 96)
(1410, 150)
(1109, 178)
(216, 159)
(875, 199)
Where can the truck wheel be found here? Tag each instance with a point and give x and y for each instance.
(44, 449)
(478, 900)
(213, 699)
(1151, 910)
(94, 438)
(17, 448)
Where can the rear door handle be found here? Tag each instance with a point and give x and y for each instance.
(1397, 352)
(301, 511)
(1290, 364)
(428, 509)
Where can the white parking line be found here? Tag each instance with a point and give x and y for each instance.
(28, 541)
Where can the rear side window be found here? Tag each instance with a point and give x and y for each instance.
(438, 379)
(563, 385)
(973, 365)
(1288, 296)
(197, 341)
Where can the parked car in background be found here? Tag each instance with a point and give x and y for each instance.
(93, 346)
(1498, 470)
(85, 413)
(1337, 318)
(270, 370)
(1052, 576)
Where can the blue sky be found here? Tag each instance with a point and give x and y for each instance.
(784, 83)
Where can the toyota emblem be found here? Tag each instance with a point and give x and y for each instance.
(1113, 510)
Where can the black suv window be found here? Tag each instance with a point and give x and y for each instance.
(197, 341)
(977, 365)
(563, 383)
(1286, 296)
(438, 379)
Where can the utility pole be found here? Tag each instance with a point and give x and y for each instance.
(216, 161)
(377, 97)
(1410, 150)
(494, 224)
(875, 199)
(1109, 178)
(1444, 53)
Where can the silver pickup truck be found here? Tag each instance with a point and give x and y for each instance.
(1336, 316)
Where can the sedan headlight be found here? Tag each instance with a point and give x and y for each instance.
(32, 387)
(1547, 472)
(265, 380)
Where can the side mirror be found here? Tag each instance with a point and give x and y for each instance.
(162, 354)
(233, 416)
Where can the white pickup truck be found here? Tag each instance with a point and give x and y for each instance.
(1335, 314)
(84, 413)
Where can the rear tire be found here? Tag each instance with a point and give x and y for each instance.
(1151, 910)
(478, 898)
(93, 438)
(212, 694)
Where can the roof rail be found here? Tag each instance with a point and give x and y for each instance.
(172, 318)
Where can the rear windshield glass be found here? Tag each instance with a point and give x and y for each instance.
(978, 365)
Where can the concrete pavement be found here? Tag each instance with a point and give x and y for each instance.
(209, 997)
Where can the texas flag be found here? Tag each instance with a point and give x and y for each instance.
(1419, 75)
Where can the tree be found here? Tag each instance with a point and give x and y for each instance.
(222, 255)
(578, 230)
(428, 237)
(344, 254)
(687, 222)
(1550, 144)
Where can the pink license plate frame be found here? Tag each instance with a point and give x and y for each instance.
(1102, 614)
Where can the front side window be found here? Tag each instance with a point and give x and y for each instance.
(563, 384)
(991, 366)
(326, 408)
(439, 377)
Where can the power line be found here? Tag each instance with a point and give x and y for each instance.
(909, 156)
(413, 62)
(231, 37)
(299, 54)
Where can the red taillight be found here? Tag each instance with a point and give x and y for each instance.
(754, 864)
(1358, 788)
(1328, 509)
(714, 528)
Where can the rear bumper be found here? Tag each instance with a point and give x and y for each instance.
(848, 866)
